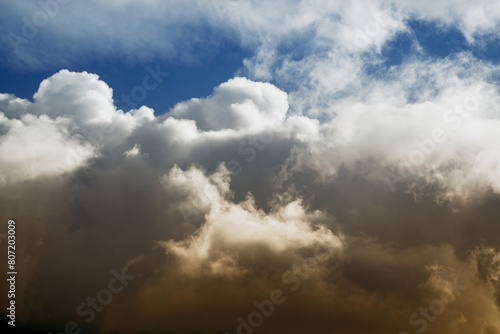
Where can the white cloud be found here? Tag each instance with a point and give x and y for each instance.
(79, 96)
(376, 122)
(39, 146)
(239, 104)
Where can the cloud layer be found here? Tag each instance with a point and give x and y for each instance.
(353, 195)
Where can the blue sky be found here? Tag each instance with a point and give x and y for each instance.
(184, 82)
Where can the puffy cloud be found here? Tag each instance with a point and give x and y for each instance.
(151, 192)
(391, 170)
(445, 138)
(38, 146)
(79, 96)
(58, 132)
(134, 187)
(231, 228)
(238, 104)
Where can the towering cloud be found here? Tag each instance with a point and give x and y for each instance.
(349, 195)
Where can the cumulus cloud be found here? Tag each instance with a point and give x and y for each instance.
(237, 104)
(185, 217)
(232, 227)
(389, 170)
(37, 146)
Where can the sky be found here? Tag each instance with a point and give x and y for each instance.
(237, 166)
